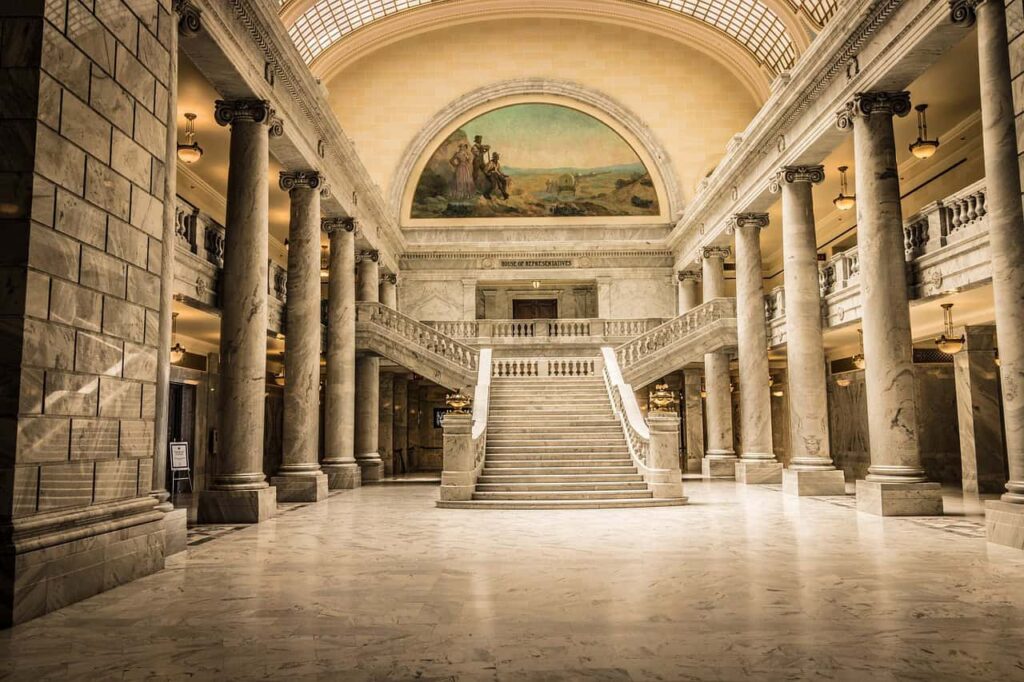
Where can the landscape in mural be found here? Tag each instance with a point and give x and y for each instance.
(535, 161)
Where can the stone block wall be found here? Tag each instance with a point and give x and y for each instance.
(83, 115)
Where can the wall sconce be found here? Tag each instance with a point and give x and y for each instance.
(776, 392)
(190, 152)
(923, 148)
(703, 389)
(946, 342)
(844, 202)
(858, 359)
(325, 263)
(279, 378)
(177, 350)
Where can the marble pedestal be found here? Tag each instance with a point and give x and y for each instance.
(342, 476)
(809, 483)
(370, 471)
(718, 467)
(237, 506)
(899, 499)
(175, 525)
(301, 488)
(1004, 523)
(753, 472)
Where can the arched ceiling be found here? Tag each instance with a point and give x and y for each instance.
(773, 32)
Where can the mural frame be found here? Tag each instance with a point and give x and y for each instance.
(537, 91)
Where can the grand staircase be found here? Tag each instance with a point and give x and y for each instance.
(554, 443)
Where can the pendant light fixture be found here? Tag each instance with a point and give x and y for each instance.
(923, 148)
(190, 152)
(858, 359)
(177, 350)
(325, 263)
(844, 202)
(946, 342)
(843, 381)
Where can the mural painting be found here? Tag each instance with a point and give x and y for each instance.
(535, 161)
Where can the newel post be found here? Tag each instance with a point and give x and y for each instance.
(458, 475)
(666, 479)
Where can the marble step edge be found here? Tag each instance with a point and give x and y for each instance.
(539, 463)
(567, 486)
(569, 495)
(560, 504)
(566, 447)
(563, 471)
(493, 479)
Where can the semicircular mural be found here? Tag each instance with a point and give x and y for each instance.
(534, 161)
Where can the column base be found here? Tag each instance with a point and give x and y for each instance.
(342, 476)
(237, 506)
(301, 488)
(175, 524)
(715, 467)
(370, 470)
(756, 472)
(899, 499)
(811, 483)
(1004, 523)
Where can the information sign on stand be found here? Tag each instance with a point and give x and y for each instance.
(180, 470)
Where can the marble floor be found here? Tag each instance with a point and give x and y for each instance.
(378, 584)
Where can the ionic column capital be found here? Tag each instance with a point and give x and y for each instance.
(722, 252)
(228, 112)
(755, 221)
(303, 179)
(368, 255)
(962, 12)
(189, 22)
(688, 276)
(791, 175)
(333, 225)
(389, 278)
(867, 104)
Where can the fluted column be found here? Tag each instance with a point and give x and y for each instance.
(720, 458)
(340, 386)
(895, 483)
(810, 471)
(1004, 518)
(238, 491)
(368, 379)
(389, 290)
(299, 479)
(689, 297)
(757, 460)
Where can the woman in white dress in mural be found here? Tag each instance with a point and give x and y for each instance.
(462, 162)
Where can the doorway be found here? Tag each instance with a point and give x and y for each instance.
(181, 423)
(535, 309)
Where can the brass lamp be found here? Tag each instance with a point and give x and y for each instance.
(844, 202)
(662, 399)
(843, 381)
(458, 402)
(177, 350)
(946, 342)
(923, 148)
(190, 152)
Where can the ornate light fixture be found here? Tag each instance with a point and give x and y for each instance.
(457, 402)
(190, 152)
(844, 202)
(703, 389)
(279, 378)
(858, 359)
(177, 350)
(843, 381)
(923, 148)
(662, 399)
(776, 392)
(325, 263)
(946, 342)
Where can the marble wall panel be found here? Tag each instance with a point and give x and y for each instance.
(432, 299)
(638, 298)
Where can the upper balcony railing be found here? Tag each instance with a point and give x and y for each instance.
(558, 331)
(945, 247)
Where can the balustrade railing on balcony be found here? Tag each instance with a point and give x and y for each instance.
(527, 331)
(524, 368)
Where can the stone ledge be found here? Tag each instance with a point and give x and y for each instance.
(899, 499)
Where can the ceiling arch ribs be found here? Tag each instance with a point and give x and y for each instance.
(894, 41)
(768, 32)
(237, 41)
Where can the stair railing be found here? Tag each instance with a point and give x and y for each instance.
(465, 439)
(673, 331)
(416, 333)
(653, 442)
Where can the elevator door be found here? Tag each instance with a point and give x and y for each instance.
(535, 309)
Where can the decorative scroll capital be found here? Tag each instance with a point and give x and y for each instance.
(300, 180)
(369, 254)
(688, 276)
(389, 278)
(756, 221)
(791, 175)
(338, 225)
(722, 252)
(867, 104)
(962, 12)
(232, 111)
(189, 22)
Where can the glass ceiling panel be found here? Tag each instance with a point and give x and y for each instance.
(750, 23)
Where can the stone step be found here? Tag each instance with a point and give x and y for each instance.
(567, 439)
(559, 487)
(585, 449)
(559, 504)
(561, 478)
(533, 401)
(573, 457)
(608, 429)
(559, 421)
(589, 469)
(546, 462)
(567, 495)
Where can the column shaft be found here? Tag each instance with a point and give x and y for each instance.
(688, 294)
(368, 382)
(339, 423)
(386, 423)
(299, 478)
(401, 426)
(720, 457)
(388, 291)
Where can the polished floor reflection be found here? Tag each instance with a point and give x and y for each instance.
(378, 584)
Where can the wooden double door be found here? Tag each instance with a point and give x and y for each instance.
(535, 309)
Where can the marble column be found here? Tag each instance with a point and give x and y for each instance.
(388, 291)
(386, 423)
(757, 462)
(693, 413)
(689, 297)
(896, 483)
(719, 458)
(368, 379)
(300, 479)
(810, 471)
(401, 426)
(982, 448)
(339, 389)
(1005, 517)
(238, 491)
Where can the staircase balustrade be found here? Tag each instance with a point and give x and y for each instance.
(673, 331)
(405, 329)
(525, 368)
(584, 330)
